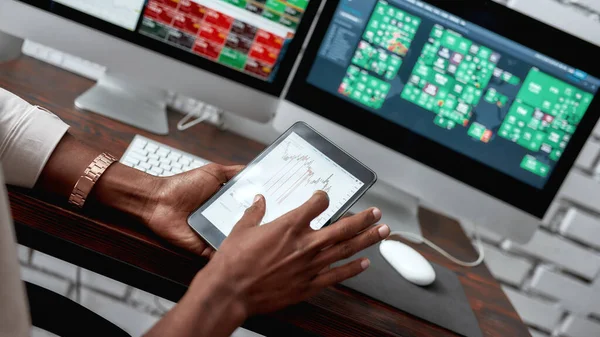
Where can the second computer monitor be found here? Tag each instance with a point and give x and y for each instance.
(481, 94)
(236, 55)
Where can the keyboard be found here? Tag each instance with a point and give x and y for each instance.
(159, 159)
(62, 60)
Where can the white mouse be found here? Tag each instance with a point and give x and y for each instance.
(407, 262)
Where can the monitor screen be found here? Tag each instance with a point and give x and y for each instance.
(249, 36)
(456, 83)
(251, 42)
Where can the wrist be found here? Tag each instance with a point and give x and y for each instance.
(127, 190)
(213, 287)
(207, 309)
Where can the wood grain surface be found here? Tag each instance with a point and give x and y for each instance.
(124, 250)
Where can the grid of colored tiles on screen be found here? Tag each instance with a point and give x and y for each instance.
(286, 12)
(386, 41)
(377, 60)
(213, 35)
(450, 77)
(391, 28)
(364, 88)
(544, 116)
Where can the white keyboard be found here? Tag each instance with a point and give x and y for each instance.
(158, 159)
(62, 60)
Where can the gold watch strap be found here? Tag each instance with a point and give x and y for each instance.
(86, 182)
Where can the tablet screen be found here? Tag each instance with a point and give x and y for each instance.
(287, 177)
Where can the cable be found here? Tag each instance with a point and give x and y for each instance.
(419, 238)
(199, 112)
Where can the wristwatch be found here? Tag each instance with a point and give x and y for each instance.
(86, 182)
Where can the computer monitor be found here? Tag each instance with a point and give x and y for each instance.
(477, 111)
(234, 54)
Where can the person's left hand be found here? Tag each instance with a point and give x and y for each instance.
(178, 196)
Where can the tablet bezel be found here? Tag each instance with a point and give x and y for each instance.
(214, 237)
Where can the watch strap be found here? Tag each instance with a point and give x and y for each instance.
(86, 182)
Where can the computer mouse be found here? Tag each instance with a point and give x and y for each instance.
(407, 262)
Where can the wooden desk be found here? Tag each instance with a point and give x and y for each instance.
(127, 252)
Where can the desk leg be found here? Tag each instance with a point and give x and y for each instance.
(10, 47)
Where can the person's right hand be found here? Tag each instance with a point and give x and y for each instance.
(284, 262)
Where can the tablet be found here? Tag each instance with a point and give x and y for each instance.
(287, 173)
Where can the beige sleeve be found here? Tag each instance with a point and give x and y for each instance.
(14, 314)
(28, 136)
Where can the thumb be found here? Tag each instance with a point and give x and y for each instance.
(254, 214)
(228, 172)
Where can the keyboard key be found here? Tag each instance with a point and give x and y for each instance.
(139, 143)
(165, 167)
(133, 155)
(145, 166)
(176, 171)
(163, 152)
(140, 168)
(131, 162)
(151, 147)
(141, 152)
(196, 164)
(174, 156)
(165, 161)
(154, 162)
(176, 165)
(185, 160)
(153, 156)
(156, 171)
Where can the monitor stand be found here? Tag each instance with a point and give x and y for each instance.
(10, 47)
(399, 209)
(131, 103)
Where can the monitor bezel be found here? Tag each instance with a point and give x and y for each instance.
(494, 17)
(274, 88)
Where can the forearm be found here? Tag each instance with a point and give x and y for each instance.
(120, 187)
(209, 309)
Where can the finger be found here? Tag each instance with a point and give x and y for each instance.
(207, 252)
(303, 215)
(196, 245)
(340, 274)
(232, 171)
(348, 248)
(253, 215)
(347, 228)
(222, 174)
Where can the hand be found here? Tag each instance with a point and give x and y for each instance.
(178, 196)
(284, 262)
